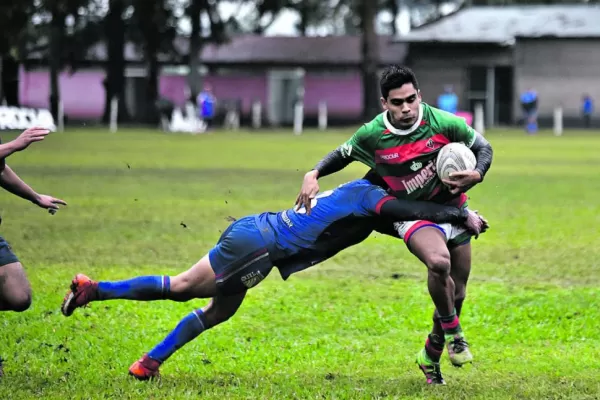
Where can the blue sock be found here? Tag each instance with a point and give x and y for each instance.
(140, 288)
(186, 330)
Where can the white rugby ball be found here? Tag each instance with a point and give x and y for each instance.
(454, 157)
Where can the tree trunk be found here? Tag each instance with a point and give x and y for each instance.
(304, 17)
(151, 116)
(370, 60)
(9, 85)
(148, 16)
(114, 33)
(395, 10)
(194, 77)
(56, 33)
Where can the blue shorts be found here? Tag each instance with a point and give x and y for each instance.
(241, 259)
(6, 254)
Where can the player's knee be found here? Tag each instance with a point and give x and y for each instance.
(180, 283)
(439, 264)
(215, 315)
(218, 317)
(20, 302)
(181, 288)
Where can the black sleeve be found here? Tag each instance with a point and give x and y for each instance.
(408, 210)
(332, 163)
(483, 153)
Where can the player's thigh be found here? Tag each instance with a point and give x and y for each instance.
(196, 282)
(240, 260)
(427, 241)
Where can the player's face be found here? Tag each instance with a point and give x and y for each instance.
(403, 106)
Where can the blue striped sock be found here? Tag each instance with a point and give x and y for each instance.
(140, 288)
(186, 330)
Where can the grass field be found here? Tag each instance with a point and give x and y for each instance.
(348, 328)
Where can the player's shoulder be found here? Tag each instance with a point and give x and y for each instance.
(374, 127)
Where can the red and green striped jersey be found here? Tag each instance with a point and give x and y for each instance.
(405, 159)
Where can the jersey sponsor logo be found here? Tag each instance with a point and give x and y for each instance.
(389, 156)
(420, 180)
(346, 150)
(286, 219)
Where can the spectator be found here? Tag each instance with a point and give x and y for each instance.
(448, 101)
(529, 104)
(587, 109)
(206, 103)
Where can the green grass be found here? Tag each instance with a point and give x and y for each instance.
(344, 329)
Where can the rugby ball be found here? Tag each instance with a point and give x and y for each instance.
(454, 157)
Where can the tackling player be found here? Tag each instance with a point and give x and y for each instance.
(247, 251)
(15, 290)
(400, 146)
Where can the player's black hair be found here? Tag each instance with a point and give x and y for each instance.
(395, 76)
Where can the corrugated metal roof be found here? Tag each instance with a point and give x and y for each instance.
(503, 24)
(301, 50)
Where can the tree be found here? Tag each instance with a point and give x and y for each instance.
(194, 12)
(370, 58)
(312, 13)
(215, 32)
(14, 20)
(155, 27)
(114, 32)
(63, 37)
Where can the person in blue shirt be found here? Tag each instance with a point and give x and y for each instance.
(529, 104)
(448, 101)
(206, 102)
(250, 247)
(587, 108)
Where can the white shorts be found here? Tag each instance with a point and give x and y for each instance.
(454, 234)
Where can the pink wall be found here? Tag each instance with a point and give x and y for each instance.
(83, 92)
(343, 94)
(248, 88)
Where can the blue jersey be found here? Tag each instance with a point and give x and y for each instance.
(339, 218)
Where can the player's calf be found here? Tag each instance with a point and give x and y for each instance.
(220, 309)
